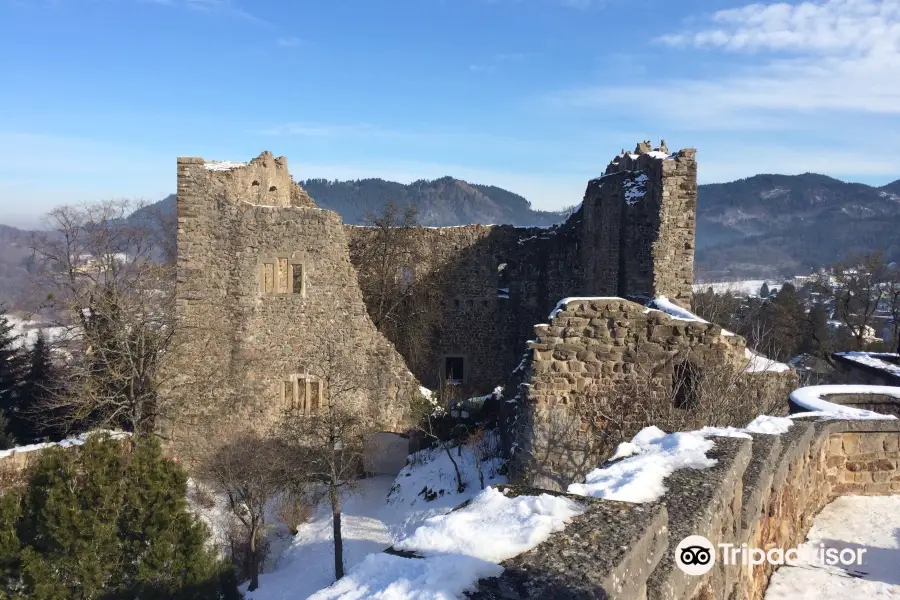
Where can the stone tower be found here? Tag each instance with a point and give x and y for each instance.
(639, 226)
(264, 284)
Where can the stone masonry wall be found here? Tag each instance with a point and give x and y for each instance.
(763, 492)
(633, 236)
(489, 285)
(264, 284)
(591, 345)
(639, 226)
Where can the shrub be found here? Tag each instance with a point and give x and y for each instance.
(108, 521)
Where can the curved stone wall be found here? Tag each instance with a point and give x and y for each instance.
(763, 491)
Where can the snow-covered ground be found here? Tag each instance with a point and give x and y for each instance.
(27, 330)
(457, 549)
(852, 522)
(383, 512)
(77, 440)
(748, 287)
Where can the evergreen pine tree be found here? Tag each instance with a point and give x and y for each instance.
(764, 290)
(164, 553)
(7, 440)
(36, 385)
(816, 336)
(12, 369)
(110, 521)
(73, 503)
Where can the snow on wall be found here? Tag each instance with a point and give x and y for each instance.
(877, 360)
(813, 399)
(77, 440)
(223, 165)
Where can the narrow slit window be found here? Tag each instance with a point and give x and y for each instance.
(287, 393)
(268, 278)
(282, 276)
(315, 396)
(301, 395)
(297, 278)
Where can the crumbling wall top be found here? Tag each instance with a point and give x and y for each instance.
(264, 181)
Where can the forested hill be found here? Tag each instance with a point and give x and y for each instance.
(441, 202)
(769, 225)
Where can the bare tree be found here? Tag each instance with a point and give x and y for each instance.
(679, 395)
(859, 284)
(251, 471)
(892, 292)
(386, 264)
(326, 430)
(402, 293)
(108, 277)
(431, 421)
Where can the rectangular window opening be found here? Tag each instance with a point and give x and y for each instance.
(454, 369)
(297, 278)
(315, 396)
(301, 396)
(287, 393)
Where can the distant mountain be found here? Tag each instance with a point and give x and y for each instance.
(441, 202)
(15, 262)
(771, 225)
(891, 188)
(764, 226)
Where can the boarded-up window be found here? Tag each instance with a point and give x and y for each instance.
(282, 276)
(301, 395)
(315, 396)
(297, 278)
(268, 286)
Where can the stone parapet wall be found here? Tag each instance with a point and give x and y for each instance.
(763, 492)
(592, 345)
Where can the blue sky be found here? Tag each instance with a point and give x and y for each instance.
(100, 96)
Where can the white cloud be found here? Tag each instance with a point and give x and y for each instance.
(810, 59)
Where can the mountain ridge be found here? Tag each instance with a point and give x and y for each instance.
(766, 225)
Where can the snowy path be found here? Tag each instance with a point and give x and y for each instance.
(364, 529)
(853, 522)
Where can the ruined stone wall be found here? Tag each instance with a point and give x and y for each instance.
(639, 226)
(488, 286)
(632, 236)
(763, 492)
(591, 345)
(265, 284)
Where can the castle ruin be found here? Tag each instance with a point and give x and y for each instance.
(266, 279)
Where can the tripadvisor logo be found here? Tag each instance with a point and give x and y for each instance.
(695, 555)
